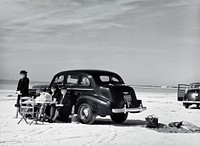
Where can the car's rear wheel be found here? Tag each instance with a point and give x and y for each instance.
(119, 117)
(86, 114)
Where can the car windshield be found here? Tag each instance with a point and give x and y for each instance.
(194, 86)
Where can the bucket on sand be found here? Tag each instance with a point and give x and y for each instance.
(75, 119)
(152, 121)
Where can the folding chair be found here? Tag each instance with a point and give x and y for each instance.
(27, 109)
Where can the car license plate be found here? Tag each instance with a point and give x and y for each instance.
(127, 98)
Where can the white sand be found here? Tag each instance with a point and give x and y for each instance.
(103, 131)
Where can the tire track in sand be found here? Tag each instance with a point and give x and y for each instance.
(102, 137)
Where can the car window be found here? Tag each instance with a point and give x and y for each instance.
(55, 80)
(84, 81)
(77, 80)
(59, 80)
(109, 79)
(104, 78)
(114, 79)
(72, 80)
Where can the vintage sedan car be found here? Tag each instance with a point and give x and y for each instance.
(99, 93)
(189, 94)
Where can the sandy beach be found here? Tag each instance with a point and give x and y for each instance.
(147, 42)
(103, 131)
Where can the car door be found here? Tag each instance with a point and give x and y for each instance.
(181, 91)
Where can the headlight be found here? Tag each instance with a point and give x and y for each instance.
(38, 91)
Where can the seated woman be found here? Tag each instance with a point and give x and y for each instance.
(64, 107)
(56, 96)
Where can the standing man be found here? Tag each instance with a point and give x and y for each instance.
(22, 89)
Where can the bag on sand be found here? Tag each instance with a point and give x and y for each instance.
(152, 121)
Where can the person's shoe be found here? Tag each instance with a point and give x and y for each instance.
(51, 121)
(42, 120)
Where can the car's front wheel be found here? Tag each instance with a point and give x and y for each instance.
(119, 117)
(86, 114)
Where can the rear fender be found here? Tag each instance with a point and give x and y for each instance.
(100, 107)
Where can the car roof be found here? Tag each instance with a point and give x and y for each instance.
(194, 86)
(197, 83)
(91, 72)
(88, 71)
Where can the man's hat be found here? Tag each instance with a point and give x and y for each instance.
(23, 72)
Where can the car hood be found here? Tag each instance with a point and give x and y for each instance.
(40, 86)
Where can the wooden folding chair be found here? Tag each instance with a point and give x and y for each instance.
(27, 109)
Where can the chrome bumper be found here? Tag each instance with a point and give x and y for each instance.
(131, 110)
(192, 102)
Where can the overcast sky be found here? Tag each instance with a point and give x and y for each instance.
(145, 41)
